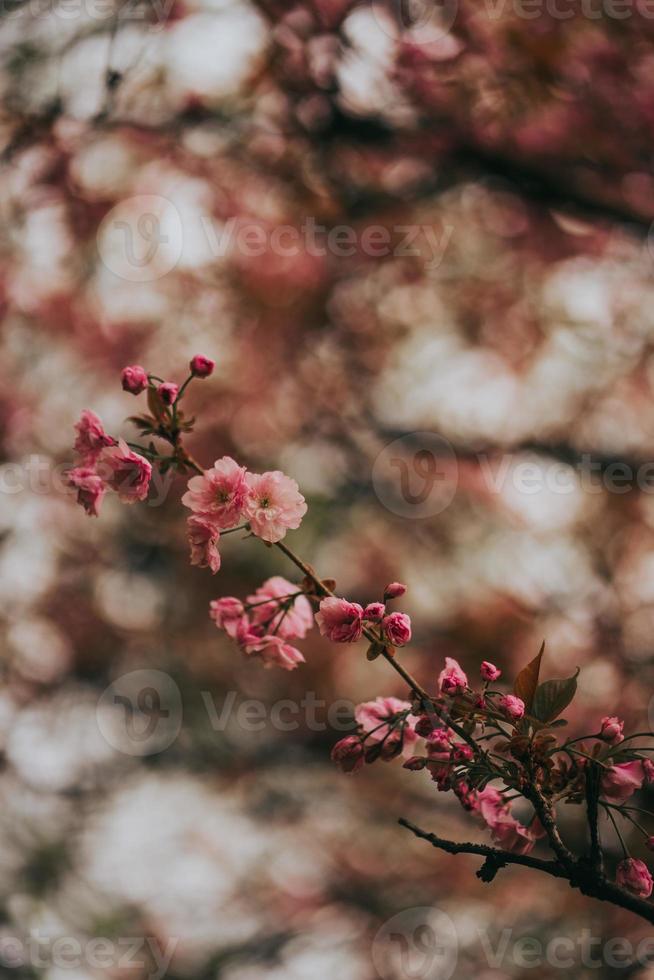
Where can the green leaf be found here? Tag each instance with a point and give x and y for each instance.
(553, 697)
(527, 680)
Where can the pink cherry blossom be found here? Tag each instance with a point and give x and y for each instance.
(219, 493)
(452, 680)
(513, 707)
(374, 717)
(505, 829)
(621, 781)
(339, 620)
(634, 875)
(91, 437)
(228, 614)
(348, 754)
(90, 488)
(611, 729)
(126, 472)
(397, 627)
(489, 672)
(203, 537)
(290, 624)
(134, 379)
(439, 741)
(201, 366)
(274, 505)
(271, 649)
(394, 590)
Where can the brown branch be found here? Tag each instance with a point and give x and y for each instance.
(495, 857)
(589, 882)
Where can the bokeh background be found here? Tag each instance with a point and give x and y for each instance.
(506, 150)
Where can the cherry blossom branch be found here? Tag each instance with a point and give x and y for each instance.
(487, 747)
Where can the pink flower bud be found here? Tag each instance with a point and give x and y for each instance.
(415, 763)
(374, 611)
(489, 672)
(397, 627)
(134, 379)
(452, 680)
(394, 590)
(168, 392)
(514, 707)
(424, 726)
(633, 875)
(201, 366)
(611, 730)
(348, 754)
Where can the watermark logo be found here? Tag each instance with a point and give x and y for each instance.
(140, 239)
(140, 713)
(416, 475)
(416, 944)
(420, 21)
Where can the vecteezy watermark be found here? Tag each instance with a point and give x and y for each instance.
(153, 12)
(142, 956)
(417, 475)
(416, 944)
(142, 239)
(141, 713)
(40, 475)
(424, 944)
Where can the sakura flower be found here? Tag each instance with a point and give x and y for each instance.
(219, 493)
(289, 618)
(489, 672)
(348, 754)
(513, 707)
(611, 729)
(273, 650)
(90, 488)
(127, 472)
(634, 875)
(274, 505)
(201, 366)
(439, 741)
(621, 781)
(505, 829)
(397, 627)
(340, 620)
(375, 718)
(91, 437)
(228, 614)
(452, 680)
(134, 379)
(203, 537)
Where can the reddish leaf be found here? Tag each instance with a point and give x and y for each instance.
(527, 680)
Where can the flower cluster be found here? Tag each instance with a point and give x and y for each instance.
(343, 621)
(227, 495)
(105, 463)
(265, 623)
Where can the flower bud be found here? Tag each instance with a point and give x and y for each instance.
(134, 379)
(611, 730)
(168, 392)
(514, 707)
(374, 611)
(201, 366)
(348, 754)
(489, 672)
(394, 591)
